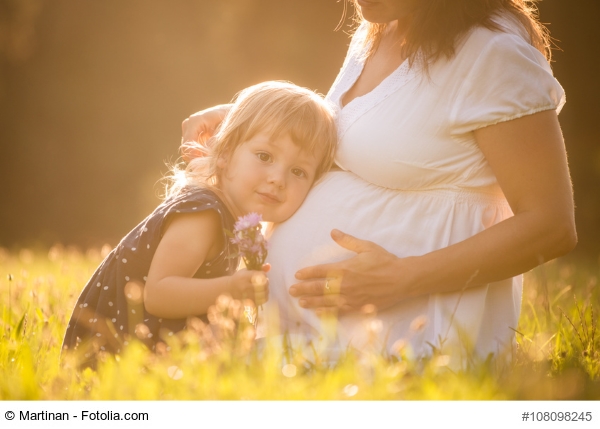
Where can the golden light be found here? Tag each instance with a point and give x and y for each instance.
(142, 331)
(418, 323)
(174, 372)
(134, 292)
(289, 370)
(350, 390)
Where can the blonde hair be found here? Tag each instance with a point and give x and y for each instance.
(275, 107)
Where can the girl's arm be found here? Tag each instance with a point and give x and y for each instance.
(189, 240)
(528, 158)
(199, 127)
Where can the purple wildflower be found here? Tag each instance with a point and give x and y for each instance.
(252, 246)
(248, 221)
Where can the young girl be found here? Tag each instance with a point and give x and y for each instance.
(274, 143)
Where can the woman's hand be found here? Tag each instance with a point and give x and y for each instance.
(252, 285)
(199, 127)
(370, 277)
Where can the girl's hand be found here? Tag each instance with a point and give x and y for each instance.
(343, 284)
(252, 285)
(199, 127)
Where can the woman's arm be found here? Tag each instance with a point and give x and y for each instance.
(190, 239)
(528, 158)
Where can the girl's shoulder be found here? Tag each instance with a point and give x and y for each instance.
(194, 194)
(195, 200)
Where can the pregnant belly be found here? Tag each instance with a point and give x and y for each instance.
(406, 223)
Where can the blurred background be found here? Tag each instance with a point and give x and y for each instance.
(93, 93)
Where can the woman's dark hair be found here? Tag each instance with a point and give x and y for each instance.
(436, 26)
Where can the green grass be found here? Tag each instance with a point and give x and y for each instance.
(557, 355)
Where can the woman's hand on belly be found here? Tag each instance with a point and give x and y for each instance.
(370, 277)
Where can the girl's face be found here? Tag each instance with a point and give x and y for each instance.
(384, 11)
(267, 176)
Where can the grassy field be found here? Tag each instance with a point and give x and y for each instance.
(557, 355)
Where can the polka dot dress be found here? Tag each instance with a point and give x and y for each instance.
(110, 310)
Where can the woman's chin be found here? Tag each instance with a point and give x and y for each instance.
(377, 12)
(373, 12)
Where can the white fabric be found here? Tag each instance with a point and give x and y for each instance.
(415, 181)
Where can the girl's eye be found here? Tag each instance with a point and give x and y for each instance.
(263, 156)
(298, 172)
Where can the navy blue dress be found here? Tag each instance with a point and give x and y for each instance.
(110, 310)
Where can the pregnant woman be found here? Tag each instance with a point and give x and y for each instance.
(453, 181)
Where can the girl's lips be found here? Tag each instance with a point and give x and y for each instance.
(268, 198)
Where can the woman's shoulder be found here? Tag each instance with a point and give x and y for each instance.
(503, 54)
(358, 44)
(360, 33)
(355, 55)
(508, 36)
(499, 75)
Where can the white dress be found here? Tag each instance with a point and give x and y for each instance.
(415, 181)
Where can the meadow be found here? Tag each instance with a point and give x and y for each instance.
(557, 354)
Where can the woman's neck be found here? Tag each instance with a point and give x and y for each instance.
(395, 31)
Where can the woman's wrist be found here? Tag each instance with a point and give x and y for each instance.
(407, 277)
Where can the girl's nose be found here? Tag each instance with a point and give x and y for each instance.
(277, 177)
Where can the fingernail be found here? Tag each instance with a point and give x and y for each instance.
(335, 233)
(302, 303)
(298, 275)
(293, 291)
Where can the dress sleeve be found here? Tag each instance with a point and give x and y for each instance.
(508, 79)
(196, 201)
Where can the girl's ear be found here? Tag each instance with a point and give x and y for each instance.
(221, 162)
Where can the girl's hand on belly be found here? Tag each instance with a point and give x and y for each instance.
(342, 284)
